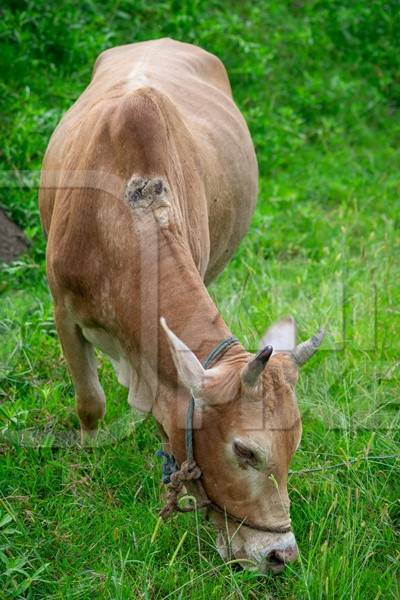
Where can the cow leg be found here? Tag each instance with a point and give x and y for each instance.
(81, 360)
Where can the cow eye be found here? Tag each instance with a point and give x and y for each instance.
(244, 453)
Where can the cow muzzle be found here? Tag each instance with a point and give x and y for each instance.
(257, 552)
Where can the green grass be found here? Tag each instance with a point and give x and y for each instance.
(319, 85)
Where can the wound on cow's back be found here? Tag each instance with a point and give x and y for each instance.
(149, 193)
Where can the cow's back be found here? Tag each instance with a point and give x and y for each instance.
(162, 108)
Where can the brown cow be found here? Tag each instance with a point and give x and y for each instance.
(148, 185)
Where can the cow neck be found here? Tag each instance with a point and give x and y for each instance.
(187, 306)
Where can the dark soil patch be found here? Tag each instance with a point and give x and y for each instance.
(12, 239)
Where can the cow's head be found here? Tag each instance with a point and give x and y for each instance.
(248, 427)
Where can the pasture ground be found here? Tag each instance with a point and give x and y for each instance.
(318, 82)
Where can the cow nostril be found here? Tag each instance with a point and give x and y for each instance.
(281, 557)
(276, 557)
(275, 561)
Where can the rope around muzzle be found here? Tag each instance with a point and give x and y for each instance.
(189, 470)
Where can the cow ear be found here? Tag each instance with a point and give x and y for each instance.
(189, 368)
(281, 336)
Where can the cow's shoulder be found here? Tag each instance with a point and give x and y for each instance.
(139, 126)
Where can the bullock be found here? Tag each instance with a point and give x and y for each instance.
(148, 185)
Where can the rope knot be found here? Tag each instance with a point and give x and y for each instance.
(189, 471)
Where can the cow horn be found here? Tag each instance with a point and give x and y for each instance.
(304, 351)
(255, 367)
